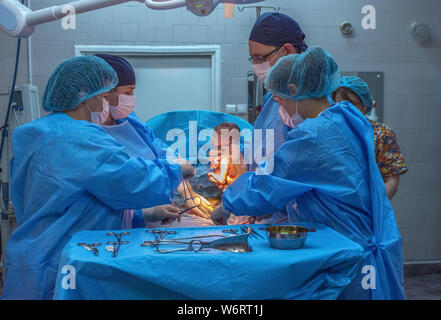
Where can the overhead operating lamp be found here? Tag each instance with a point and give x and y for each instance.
(17, 20)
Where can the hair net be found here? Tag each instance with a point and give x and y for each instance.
(124, 70)
(276, 29)
(313, 74)
(277, 79)
(76, 80)
(360, 88)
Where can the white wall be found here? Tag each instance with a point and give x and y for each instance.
(412, 75)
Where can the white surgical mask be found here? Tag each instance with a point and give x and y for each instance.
(261, 69)
(291, 121)
(126, 104)
(99, 117)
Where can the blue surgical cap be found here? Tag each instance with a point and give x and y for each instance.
(312, 74)
(124, 70)
(276, 29)
(76, 80)
(277, 79)
(360, 88)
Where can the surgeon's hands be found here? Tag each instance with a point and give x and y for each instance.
(165, 213)
(220, 215)
(201, 207)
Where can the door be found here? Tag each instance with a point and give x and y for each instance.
(171, 83)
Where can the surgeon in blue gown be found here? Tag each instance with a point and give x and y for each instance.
(68, 175)
(139, 140)
(274, 35)
(326, 173)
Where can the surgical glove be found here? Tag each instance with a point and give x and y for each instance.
(187, 170)
(220, 215)
(165, 213)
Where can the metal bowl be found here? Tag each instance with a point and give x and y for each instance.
(287, 237)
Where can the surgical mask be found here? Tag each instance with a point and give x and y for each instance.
(291, 121)
(99, 117)
(125, 106)
(261, 69)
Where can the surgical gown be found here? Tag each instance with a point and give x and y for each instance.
(269, 118)
(326, 172)
(69, 176)
(138, 139)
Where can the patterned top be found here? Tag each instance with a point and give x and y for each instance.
(387, 151)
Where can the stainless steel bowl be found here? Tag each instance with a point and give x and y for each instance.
(287, 237)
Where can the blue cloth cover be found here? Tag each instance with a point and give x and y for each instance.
(320, 270)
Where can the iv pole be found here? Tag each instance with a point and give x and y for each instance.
(257, 86)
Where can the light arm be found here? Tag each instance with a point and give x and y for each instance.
(19, 21)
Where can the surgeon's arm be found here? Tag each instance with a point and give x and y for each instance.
(391, 185)
(122, 182)
(255, 195)
(273, 187)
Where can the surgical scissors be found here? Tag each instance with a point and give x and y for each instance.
(91, 247)
(251, 231)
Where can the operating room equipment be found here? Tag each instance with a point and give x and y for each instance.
(251, 231)
(236, 243)
(245, 230)
(17, 20)
(91, 247)
(162, 233)
(287, 237)
(115, 245)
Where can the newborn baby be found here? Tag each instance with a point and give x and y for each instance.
(226, 160)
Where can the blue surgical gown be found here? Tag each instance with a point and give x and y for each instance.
(68, 176)
(138, 140)
(269, 118)
(326, 172)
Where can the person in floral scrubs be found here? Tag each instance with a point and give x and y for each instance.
(387, 151)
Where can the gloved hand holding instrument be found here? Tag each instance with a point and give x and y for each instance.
(194, 203)
(165, 213)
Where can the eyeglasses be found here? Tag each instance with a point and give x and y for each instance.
(261, 59)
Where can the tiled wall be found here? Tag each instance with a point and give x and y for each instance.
(412, 75)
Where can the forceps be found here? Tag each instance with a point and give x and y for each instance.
(161, 233)
(116, 244)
